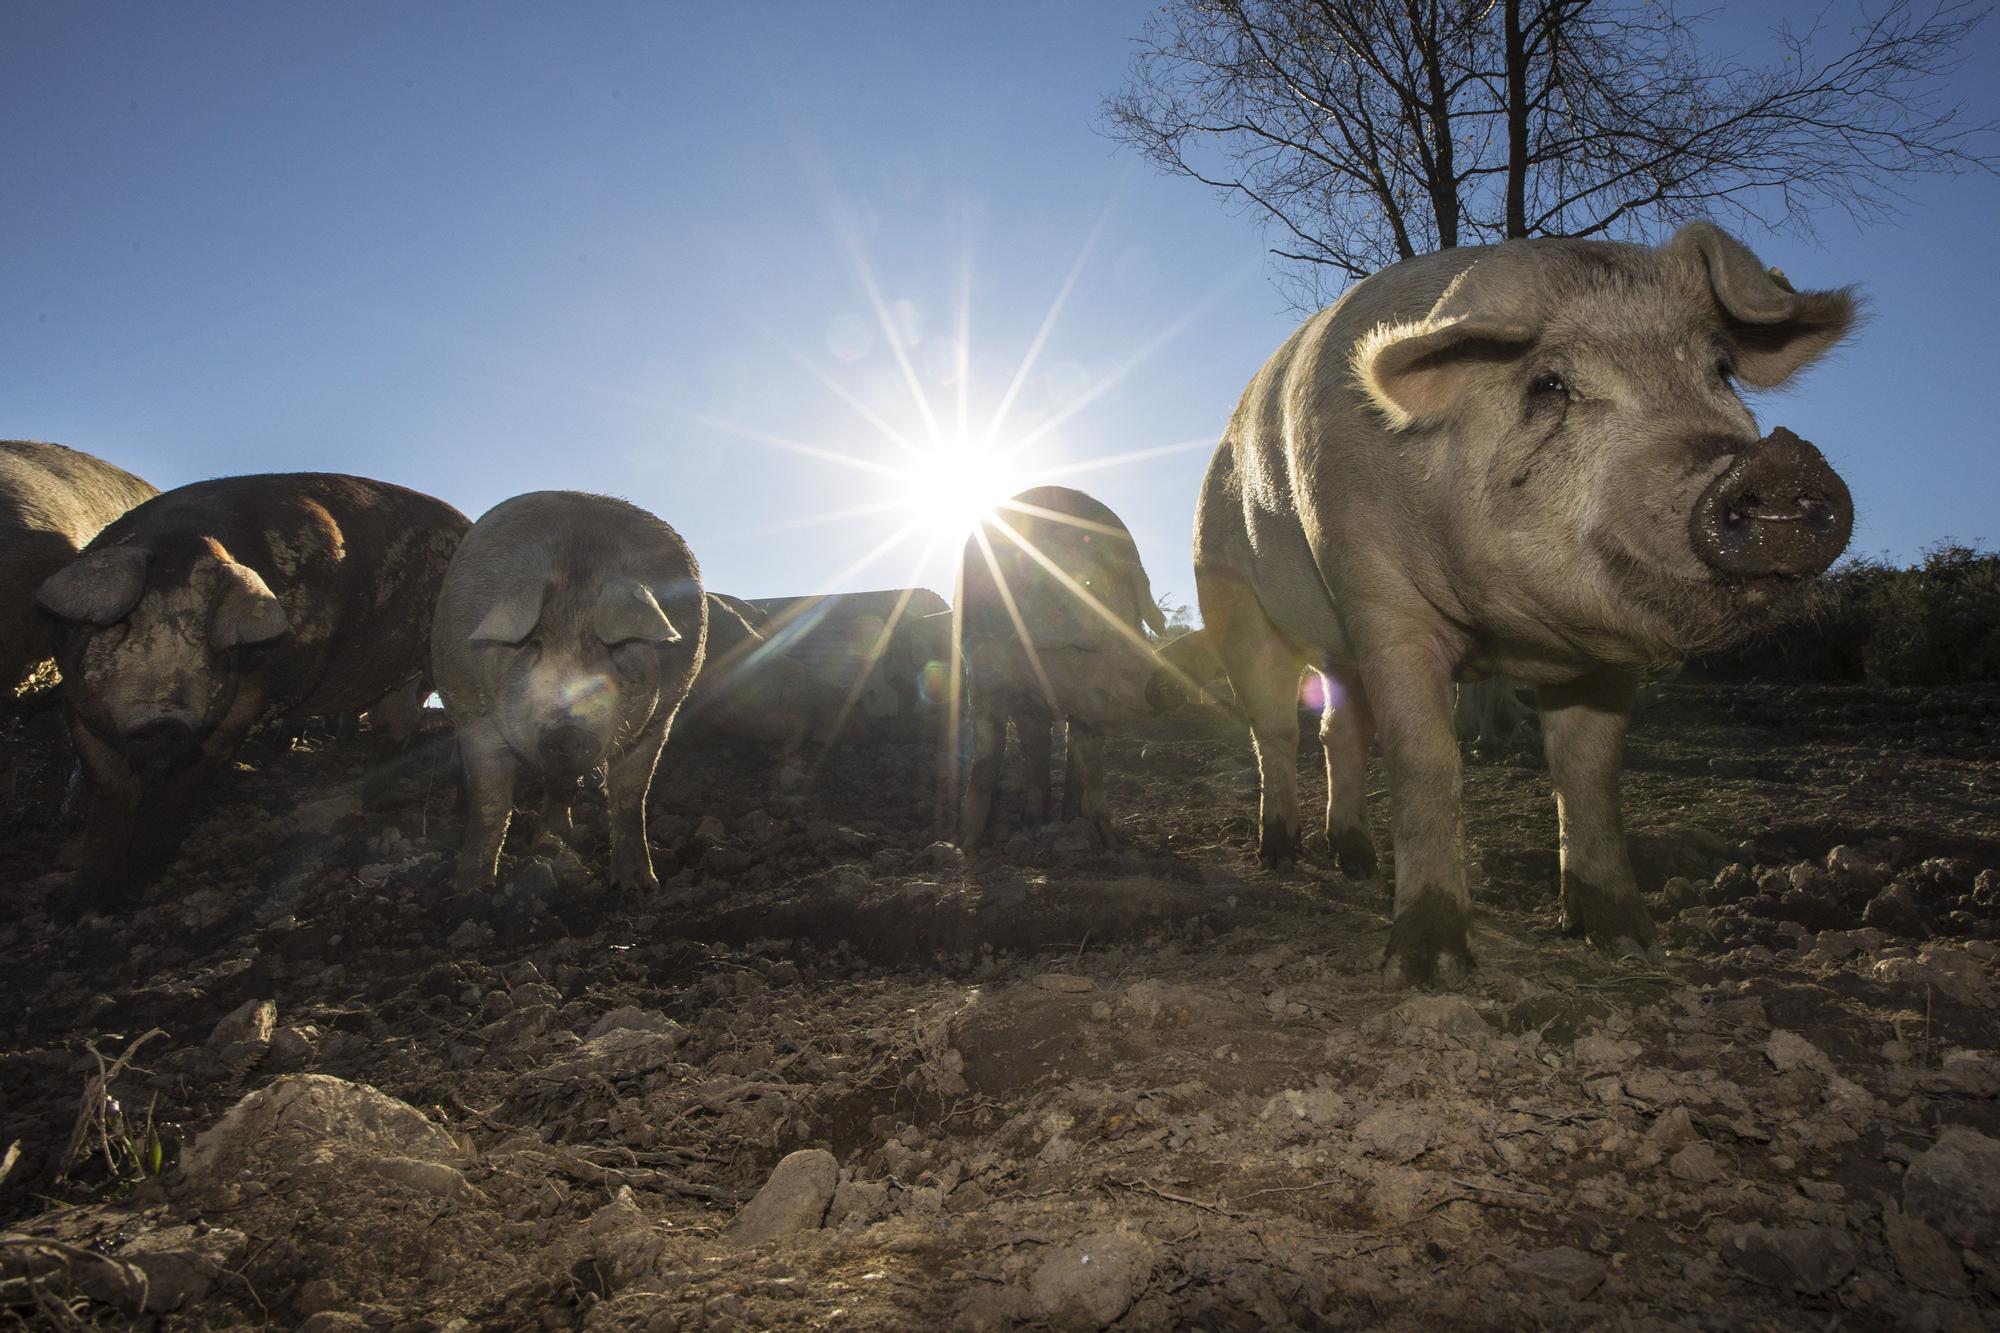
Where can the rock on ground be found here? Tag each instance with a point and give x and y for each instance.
(1955, 1186)
(1091, 1281)
(795, 1198)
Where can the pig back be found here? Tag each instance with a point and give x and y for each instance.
(53, 500)
(356, 563)
(1080, 537)
(568, 543)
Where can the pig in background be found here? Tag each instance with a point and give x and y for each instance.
(1054, 609)
(568, 631)
(750, 688)
(1530, 460)
(53, 500)
(208, 608)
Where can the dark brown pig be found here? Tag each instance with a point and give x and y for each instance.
(210, 607)
(53, 500)
(750, 687)
(568, 632)
(1527, 460)
(1054, 607)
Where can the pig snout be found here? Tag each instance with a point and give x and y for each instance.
(154, 745)
(1164, 694)
(1778, 511)
(568, 748)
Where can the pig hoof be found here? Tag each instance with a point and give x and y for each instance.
(1429, 943)
(1278, 850)
(1616, 923)
(1354, 852)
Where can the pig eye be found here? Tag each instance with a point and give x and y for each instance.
(1548, 383)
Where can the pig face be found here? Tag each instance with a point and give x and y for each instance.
(156, 660)
(568, 678)
(1608, 485)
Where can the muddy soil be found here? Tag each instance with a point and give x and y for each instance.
(838, 1075)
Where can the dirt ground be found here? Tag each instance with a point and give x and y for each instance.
(1048, 1086)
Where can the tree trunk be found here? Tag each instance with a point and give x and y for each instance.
(1517, 120)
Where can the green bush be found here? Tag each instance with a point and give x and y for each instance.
(1936, 623)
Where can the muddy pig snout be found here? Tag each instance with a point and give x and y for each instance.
(154, 745)
(1778, 511)
(568, 748)
(1164, 694)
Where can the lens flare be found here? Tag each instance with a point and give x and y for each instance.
(955, 485)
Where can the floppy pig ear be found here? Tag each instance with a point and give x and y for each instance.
(627, 612)
(249, 611)
(512, 618)
(100, 588)
(1415, 371)
(1774, 330)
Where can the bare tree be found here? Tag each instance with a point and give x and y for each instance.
(1366, 131)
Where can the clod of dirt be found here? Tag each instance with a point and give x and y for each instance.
(1964, 1073)
(1064, 983)
(1433, 1015)
(632, 1018)
(294, 1047)
(1393, 1134)
(1788, 1051)
(1091, 1281)
(1564, 1269)
(1698, 1164)
(1955, 1186)
(795, 1198)
(163, 1270)
(1922, 1254)
(310, 1119)
(1807, 1260)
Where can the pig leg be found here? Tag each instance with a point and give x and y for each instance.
(558, 794)
(1583, 734)
(1410, 694)
(1083, 781)
(1034, 725)
(989, 742)
(629, 779)
(1345, 730)
(110, 823)
(396, 717)
(1264, 671)
(489, 784)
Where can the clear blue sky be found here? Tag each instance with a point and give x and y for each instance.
(487, 248)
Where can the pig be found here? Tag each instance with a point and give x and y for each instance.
(208, 608)
(1053, 609)
(53, 500)
(568, 632)
(1529, 459)
(1488, 715)
(751, 688)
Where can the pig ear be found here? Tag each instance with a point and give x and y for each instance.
(100, 588)
(1774, 330)
(627, 612)
(512, 618)
(249, 612)
(1414, 372)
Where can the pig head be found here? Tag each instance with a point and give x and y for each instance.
(153, 640)
(567, 679)
(1528, 460)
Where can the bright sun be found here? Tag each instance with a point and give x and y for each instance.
(956, 484)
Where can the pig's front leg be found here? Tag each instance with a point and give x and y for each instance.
(110, 821)
(1410, 695)
(558, 795)
(1034, 726)
(489, 787)
(629, 779)
(1083, 785)
(989, 740)
(1583, 735)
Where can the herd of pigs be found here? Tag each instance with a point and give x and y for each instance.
(1526, 462)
